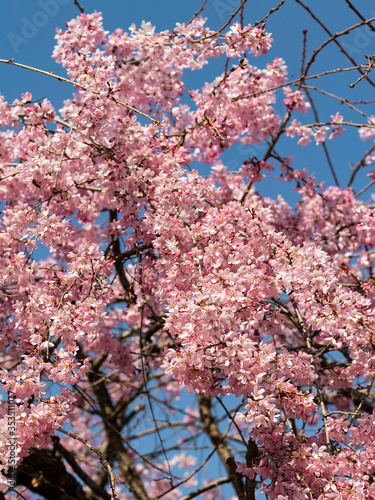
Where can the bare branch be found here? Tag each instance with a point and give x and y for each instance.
(197, 13)
(206, 487)
(351, 6)
(79, 6)
(223, 27)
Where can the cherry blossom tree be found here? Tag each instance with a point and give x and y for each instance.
(163, 332)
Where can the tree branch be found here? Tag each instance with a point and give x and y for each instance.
(44, 473)
(213, 432)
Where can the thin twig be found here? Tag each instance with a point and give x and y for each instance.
(147, 392)
(351, 6)
(83, 87)
(102, 459)
(348, 103)
(274, 9)
(69, 457)
(324, 145)
(210, 455)
(232, 419)
(296, 81)
(359, 165)
(370, 65)
(268, 152)
(365, 188)
(223, 27)
(304, 43)
(349, 124)
(365, 396)
(197, 13)
(79, 6)
(333, 38)
(206, 487)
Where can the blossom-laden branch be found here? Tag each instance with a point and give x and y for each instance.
(66, 80)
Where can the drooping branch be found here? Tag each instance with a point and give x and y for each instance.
(82, 87)
(115, 250)
(216, 437)
(112, 422)
(69, 457)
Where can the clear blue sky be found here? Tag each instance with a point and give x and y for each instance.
(27, 30)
